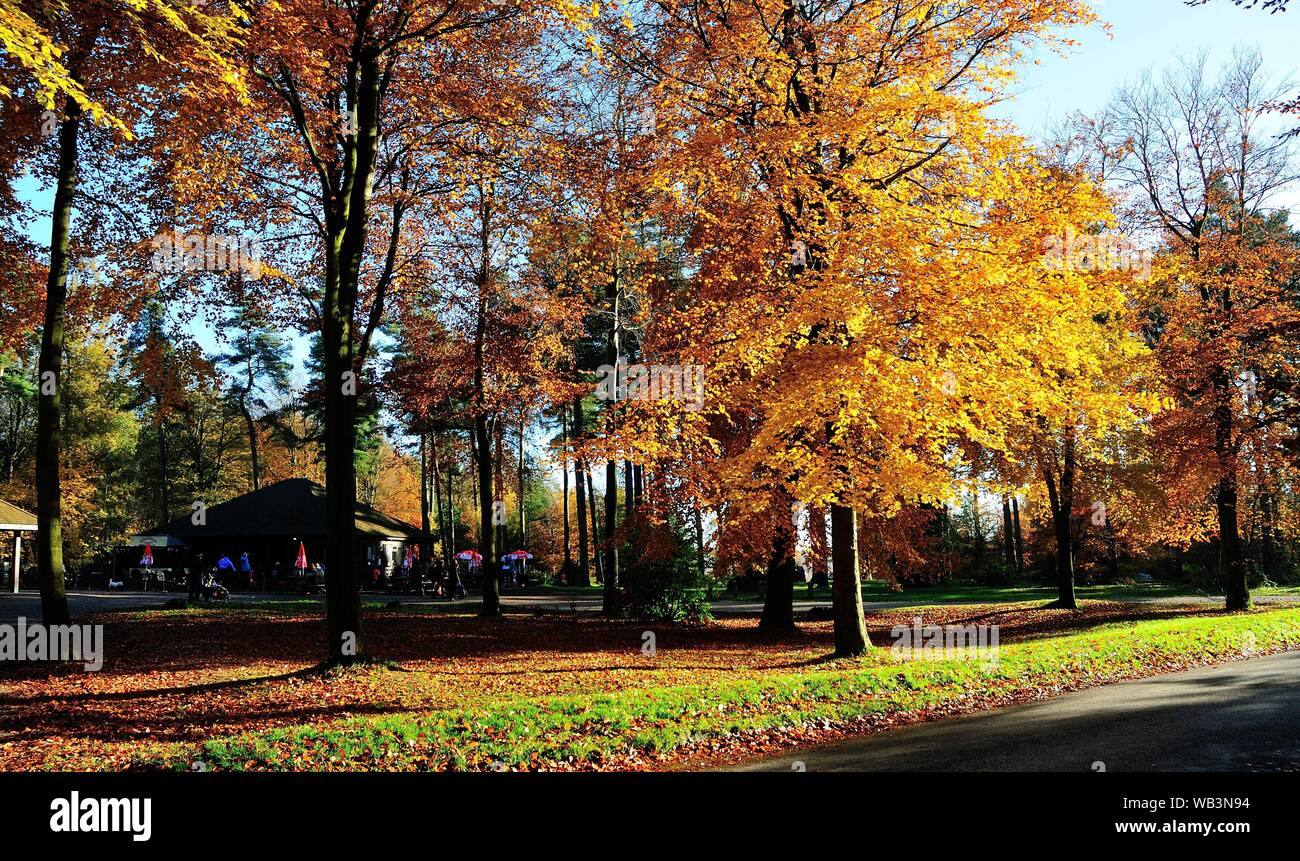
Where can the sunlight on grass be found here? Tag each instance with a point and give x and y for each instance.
(636, 727)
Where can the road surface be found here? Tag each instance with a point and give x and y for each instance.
(28, 602)
(1241, 716)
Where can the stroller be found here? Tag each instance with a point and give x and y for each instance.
(212, 590)
(455, 588)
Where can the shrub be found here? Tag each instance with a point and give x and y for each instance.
(666, 590)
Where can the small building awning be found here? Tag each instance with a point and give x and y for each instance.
(14, 519)
(155, 540)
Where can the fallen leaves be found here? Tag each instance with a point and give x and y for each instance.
(540, 692)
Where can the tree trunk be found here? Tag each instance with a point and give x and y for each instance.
(611, 596)
(487, 529)
(778, 604)
(1232, 563)
(252, 441)
(846, 596)
(499, 489)
(347, 222)
(1235, 589)
(595, 530)
(426, 527)
(1061, 499)
(439, 507)
(1064, 558)
(579, 471)
(568, 533)
(450, 551)
(342, 598)
(49, 529)
(1020, 544)
(612, 357)
(583, 576)
(699, 542)
(164, 478)
(629, 507)
(629, 491)
(1112, 555)
(1008, 538)
(523, 531)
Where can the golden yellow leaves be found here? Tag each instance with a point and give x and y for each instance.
(868, 282)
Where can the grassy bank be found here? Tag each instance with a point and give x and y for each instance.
(656, 725)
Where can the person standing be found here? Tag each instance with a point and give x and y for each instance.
(417, 577)
(455, 588)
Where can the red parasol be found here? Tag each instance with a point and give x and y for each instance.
(301, 561)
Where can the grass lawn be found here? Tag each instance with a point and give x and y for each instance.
(236, 688)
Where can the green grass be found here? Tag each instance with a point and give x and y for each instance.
(1273, 590)
(606, 729)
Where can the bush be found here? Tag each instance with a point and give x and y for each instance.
(667, 590)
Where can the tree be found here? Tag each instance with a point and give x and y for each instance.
(115, 51)
(852, 213)
(353, 109)
(1203, 174)
(1267, 5)
(257, 360)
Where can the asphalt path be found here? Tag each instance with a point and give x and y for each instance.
(1239, 716)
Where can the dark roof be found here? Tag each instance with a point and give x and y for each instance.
(13, 517)
(291, 508)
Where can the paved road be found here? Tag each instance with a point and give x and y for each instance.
(28, 604)
(1242, 716)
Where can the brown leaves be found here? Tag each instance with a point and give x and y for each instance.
(174, 680)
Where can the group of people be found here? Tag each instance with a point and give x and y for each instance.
(415, 573)
(417, 576)
(203, 584)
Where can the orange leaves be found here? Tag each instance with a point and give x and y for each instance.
(867, 284)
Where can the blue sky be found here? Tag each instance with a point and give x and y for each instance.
(1146, 36)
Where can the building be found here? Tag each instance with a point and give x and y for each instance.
(269, 524)
(14, 521)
